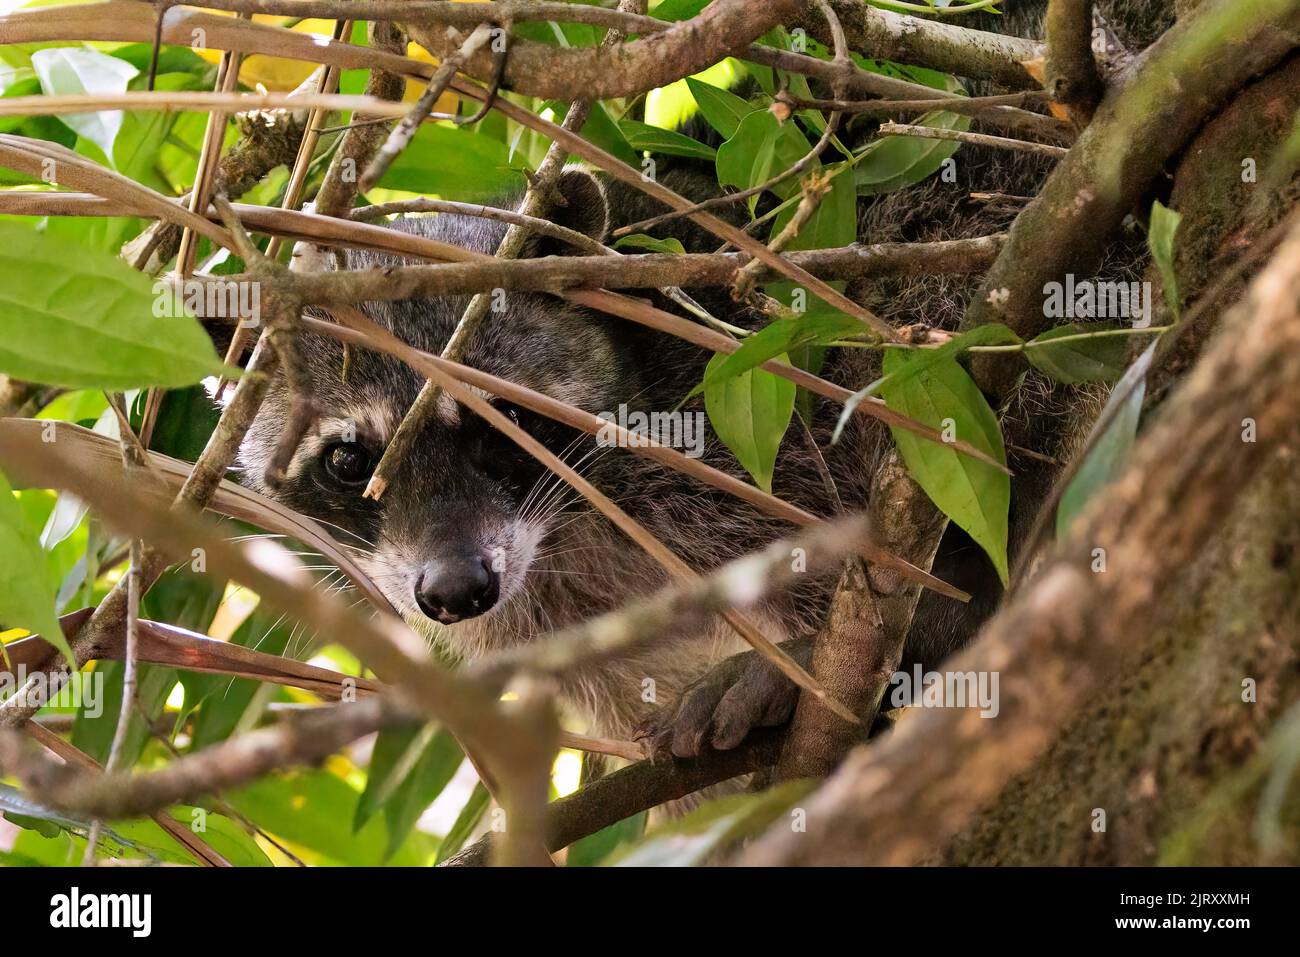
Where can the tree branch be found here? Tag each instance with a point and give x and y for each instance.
(1073, 78)
(1182, 79)
(885, 35)
(1057, 642)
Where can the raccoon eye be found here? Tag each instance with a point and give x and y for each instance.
(348, 462)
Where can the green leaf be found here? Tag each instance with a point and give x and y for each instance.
(71, 70)
(1109, 444)
(713, 827)
(894, 162)
(750, 412)
(466, 821)
(96, 328)
(833, 224)
(409, 768)
(643, 136)
(454, 164)
(820, 325)
(594, 848)
(27, 594)
(1098, 358)
(1162, 230)
(903, 365)
(973, 494)
(185, 422)
(723, 110)
(642, 241)
(308, 808)
(761, 148)
(602, 130)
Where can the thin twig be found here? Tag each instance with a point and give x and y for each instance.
(978, 139)
(405, 131)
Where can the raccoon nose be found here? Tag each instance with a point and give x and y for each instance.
(451, 589)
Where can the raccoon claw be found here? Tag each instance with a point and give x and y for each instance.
(720, 708)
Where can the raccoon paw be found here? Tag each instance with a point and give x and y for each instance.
(720, 708)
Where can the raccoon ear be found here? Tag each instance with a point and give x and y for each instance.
(580, 205)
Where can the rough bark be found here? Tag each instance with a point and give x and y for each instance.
(1158, 747)
(1061, 640)
(938, 45)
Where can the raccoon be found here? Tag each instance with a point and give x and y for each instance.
(481, 548)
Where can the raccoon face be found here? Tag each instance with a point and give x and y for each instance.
(459, 526)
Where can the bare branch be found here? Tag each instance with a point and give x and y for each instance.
(981, 139)
(940, 46)
(1072, 75)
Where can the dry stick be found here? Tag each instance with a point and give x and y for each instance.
(202, 851)
(813, 192)
(339, 188)
(130, 667)
(1062, 637)
(609, 71)
(953, 256)
(885, 35)
(535, 203)
(655, 548)
(38, 157)
(1002, 110)
(1072, 77)
(209, 153)
(981, 139)
(326, 84)
(194, 101)
(299, 739)
(358, 330)
(404, 132)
